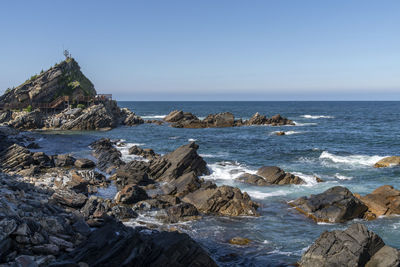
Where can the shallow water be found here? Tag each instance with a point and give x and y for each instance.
(336, 141)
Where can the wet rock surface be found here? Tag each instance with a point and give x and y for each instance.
(355, 246)
(336, 204)
(388, 162)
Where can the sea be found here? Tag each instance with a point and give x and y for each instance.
(336, 141)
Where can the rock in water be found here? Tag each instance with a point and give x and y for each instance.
(130, 194)
(117, 245)
(177, 163)
(336, 204)
(352, 247)
(223, 200)
(84, 163)
(270, 175)
(109, 158)
(384, 200)
(240, 241)
(385, 257)
(388, 162)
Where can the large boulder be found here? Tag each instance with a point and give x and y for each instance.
(270, 175)
(146, 153)
(174, 116)
(130, 194)
(224, 200)
(388, 162)
(354, 246)
(385, 257)
(64, 160)
(257, 119)
(69, 198)
(183, 185)
(84, 163)
(276, 120)
(336, 204)
(177, 163)
(15, 158)
(384, 200)
(117, 245)
(129, 118)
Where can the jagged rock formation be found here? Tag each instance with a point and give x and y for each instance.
(64, 79)
(180, 119)
(355, 246)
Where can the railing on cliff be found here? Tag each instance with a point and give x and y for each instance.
(66, 100)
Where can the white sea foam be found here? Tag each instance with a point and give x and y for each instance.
(124, 149)
(343, 177)
(153, 117)
(216, 155)
(304, 123)
(314, 117)
(227, 170)
(173, 137)
(309, 179)
(352, 160)
(262, 195)
(192, 140)
(286, 133)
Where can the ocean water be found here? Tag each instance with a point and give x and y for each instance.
(336, 141)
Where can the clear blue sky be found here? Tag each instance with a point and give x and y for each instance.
(211, 50)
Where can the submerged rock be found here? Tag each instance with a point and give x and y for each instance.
(336, 204)
(388, 162)
(240, 241)
(355, 246)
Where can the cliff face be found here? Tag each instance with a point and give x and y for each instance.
(64, 79)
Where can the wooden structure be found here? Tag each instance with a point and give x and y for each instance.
(59, 103)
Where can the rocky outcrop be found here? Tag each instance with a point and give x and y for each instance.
(180, 119)
(129, 118)
(117, 245)
(388, 162)
(108, 157)
(130, 194)
(27, 120)
(132, 173)
(336, 204)
(223, 200)
(177, 163)
(63, 79)
(146, 153)
(183, 185)
(383, 201)
(270, 175)
(355, 246)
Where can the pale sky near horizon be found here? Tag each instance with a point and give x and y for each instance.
(210, 50)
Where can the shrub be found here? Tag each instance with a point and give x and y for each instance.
(29, 108)
(82, 106)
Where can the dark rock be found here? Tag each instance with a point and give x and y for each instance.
(15, 158)
(33, 146)
(352, 247)
(131, 194)
(225, 119)
(388, 162)
(108, 156)
(81, 227)
(336, 204)
(129, 118)
(280, 133)
(240, 241)
(133, 173)
(275, 175)
(27, 120)
(42, 160)
(117, 245)
(223, 200)
(177, 163)
(277, 120)
(146, 153)
(84, 163)
(64, 160)
(181, 212)
(183, 185)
